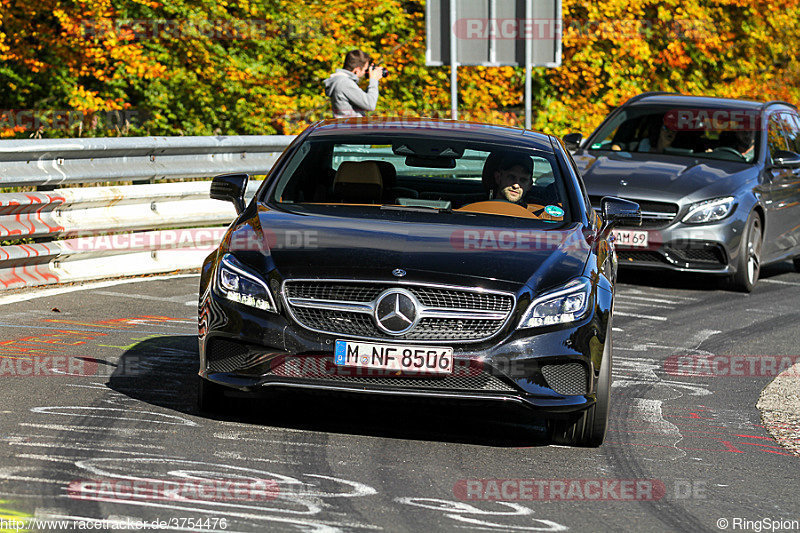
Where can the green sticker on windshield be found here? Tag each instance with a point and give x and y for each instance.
(554, 211)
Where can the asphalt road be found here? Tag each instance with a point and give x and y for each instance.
(124, 410)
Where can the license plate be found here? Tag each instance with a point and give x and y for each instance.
(421, 359)
(636, 239)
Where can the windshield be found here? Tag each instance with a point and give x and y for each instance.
(448, 176)
(729, 134)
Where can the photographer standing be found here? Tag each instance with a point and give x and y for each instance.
(347, 98)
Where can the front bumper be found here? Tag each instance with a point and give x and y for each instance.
(708, 248)
(553, 370)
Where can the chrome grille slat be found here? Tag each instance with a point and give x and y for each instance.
(449, 313)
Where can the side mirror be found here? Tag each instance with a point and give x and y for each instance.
(230, 188)
(785, 159)
(572, 141)
(617, 210)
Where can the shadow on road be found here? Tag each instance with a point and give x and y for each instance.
(162, 371)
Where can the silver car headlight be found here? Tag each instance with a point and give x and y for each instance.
(236, 283)
(566, 304)
(709, 210)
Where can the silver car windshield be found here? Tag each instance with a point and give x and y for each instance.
(726, 134)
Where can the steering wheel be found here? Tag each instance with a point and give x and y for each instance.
(729, 150)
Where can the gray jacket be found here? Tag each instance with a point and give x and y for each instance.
(347, 98)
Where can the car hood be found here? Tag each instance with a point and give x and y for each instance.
(485, 251)
(660, 177)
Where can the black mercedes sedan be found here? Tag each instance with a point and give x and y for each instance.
(718, 181)
(424, 258)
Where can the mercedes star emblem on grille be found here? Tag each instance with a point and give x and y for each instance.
(396, 311)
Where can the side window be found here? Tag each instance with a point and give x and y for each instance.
(775, 139)
(792, 123)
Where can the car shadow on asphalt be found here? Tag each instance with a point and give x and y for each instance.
(162, 371)
(691, 281)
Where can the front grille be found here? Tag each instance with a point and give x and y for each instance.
(472, 307)
(474, 380)
(709, 255)
(635, 256)
(654, 214)
(566, 379)
(334, 291)
(454, 299)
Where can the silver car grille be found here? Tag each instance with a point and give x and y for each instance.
(445, 313)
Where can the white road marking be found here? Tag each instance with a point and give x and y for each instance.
(624, 304)
(779, 281)
(73, 446)
(239, 457)
(297, 503)
(649, 299)
(629, 291)
(170, 299)
(651, 413)
(43, 293)
(94, 429)
(26, 438)
(464, 512)
(115, 414)
(647, 317)
(228, 436)
(702, 336)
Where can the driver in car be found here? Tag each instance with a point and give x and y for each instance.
(513, 178)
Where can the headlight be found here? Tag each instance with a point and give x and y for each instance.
(566, 304)
(237, 284)
(709, 211)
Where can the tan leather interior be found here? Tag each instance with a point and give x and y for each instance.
(358, 172)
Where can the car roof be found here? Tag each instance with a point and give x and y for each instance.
(432, 128)
(698, 101)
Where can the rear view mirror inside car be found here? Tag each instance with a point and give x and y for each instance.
(430, 162)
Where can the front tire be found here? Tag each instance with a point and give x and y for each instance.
(589, 429)
(748, 265)
(796, 262)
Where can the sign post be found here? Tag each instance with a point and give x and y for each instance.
(493, 34)
(453, 66)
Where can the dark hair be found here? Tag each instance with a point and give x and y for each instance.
(511, 160)
(355, 59)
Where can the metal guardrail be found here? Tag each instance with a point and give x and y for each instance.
(95, 232)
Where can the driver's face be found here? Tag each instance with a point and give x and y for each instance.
(513, 183)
